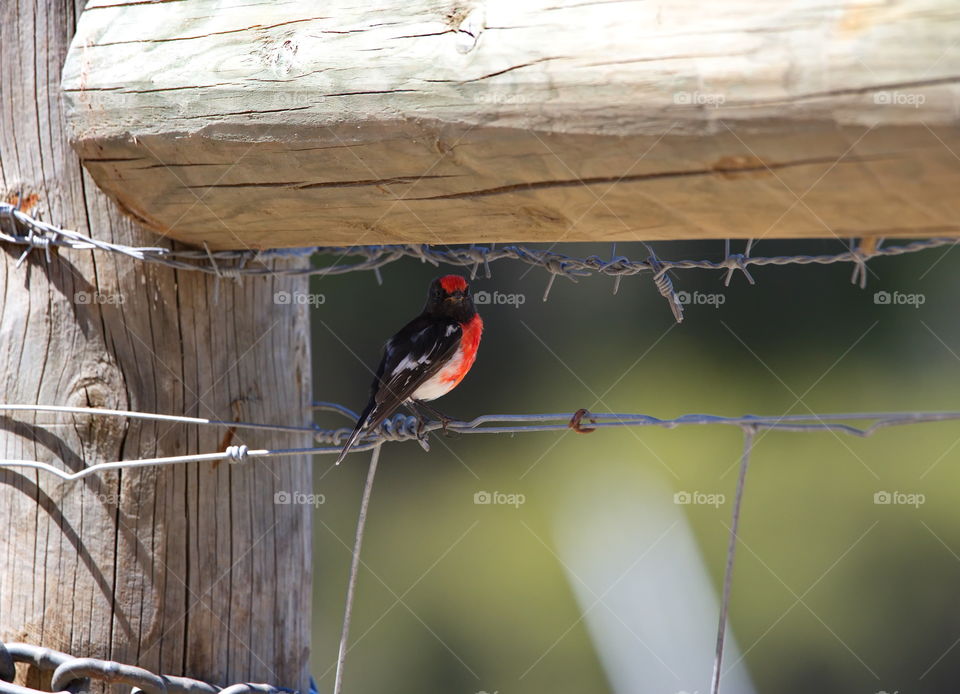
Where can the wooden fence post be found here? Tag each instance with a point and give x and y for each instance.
(186, 569)
(415, 121)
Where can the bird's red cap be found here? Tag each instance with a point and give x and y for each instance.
(453, 283)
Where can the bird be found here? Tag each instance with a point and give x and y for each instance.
(426, 359)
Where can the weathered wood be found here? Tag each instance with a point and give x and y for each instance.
(268, 124)
(188, 569)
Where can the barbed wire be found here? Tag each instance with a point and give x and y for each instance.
(69, 675)
(402, 427)
(33, 234)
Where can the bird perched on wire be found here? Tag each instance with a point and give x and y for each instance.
(428, 357)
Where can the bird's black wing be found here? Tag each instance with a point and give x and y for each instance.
(411, 357)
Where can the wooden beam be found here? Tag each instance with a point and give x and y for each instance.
(188, 569)
(279, 124)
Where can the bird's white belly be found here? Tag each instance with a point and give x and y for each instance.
(442, 382)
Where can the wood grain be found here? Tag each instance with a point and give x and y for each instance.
(259, 124)
(183, 569)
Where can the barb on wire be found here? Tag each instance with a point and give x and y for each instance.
(32, 233)
(69, 673)
(403, 427)
(665, 286)
(737, 261)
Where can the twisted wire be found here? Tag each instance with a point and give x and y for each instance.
(33, 234)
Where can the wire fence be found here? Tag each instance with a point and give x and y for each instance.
(32, 234)
(406, 428)
(69, 675)
(23, 230)
(402, 427)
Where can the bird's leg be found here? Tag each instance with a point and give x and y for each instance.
(444, 419)
(421, 422)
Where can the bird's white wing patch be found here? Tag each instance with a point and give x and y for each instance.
(443, 381)
(408, 364)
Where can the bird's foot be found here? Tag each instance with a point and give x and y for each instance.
(423, 436)
(421, 430)
(440, 416)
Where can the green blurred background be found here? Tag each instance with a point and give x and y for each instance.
(463, 597)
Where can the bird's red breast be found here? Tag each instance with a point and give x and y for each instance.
(459, 365)
(467, 352)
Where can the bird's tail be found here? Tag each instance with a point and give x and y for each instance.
(352, 440)
(371, 418)
(368, 417)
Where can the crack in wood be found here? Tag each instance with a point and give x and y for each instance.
(255, 27)
(130, 4)
(369, 92)
(421, 36)
(245, 113)
(501, 72)
(588, 181)
(303, 185)
(849, 91)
